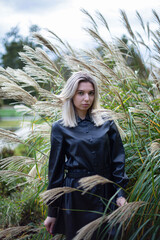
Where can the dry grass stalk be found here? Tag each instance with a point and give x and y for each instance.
(87, 231)
(155, 146)
(34, 171)
(120, 130)
(33, 69)
(4, 72)
(42, 56)
(103, 79)
(45, 107)
(47, 95)
(127, 24)
(4, 78)
(59, 237)
(10, 90)
(57, 37)
(44, 135)
(109, 114)
(125, 73)
(21, 76)
(108, 71)
(97, 37)
(12, 176)
(42, 61)
(87, 183)
(73, 61)
(26, 59)
(9, 136)
(53, 194)
(9, 233)
(41, 75)
(122, 45)
(9, 173)
(93, 22)
(141, 124)
(103, 20)
(41, 129)
(121, 215)
(91, 68)
(45, 42)
(93, 54)
(155, 78)
(16, 162)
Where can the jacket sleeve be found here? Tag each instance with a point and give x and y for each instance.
(117, 160)
(56, 166)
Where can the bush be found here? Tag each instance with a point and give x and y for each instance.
(10, 211)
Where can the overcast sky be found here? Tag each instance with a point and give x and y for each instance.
(65, 18)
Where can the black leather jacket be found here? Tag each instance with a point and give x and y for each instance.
(84, 148)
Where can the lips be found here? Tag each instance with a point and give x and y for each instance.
(85, 105)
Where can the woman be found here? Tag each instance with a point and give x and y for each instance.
(83, 143)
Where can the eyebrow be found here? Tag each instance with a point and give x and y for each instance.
(79, 90)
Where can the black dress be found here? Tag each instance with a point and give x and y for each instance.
(83, 150)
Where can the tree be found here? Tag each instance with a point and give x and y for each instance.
(13, 43)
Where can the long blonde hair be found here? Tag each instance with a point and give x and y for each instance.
(69, 90)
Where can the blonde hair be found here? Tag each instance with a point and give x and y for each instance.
(67, 94)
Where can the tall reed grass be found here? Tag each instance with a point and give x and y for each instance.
(131, 94)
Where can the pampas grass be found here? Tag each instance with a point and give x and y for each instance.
(16, 162)
(155, 147)
(9, 136)
(129, 96)
(87, 183)
(13, 232)
(121, 215)
(53, 194)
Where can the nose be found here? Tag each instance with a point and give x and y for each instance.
(86, 97)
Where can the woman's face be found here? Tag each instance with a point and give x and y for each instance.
(83, 98)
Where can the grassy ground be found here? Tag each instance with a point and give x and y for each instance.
(9, 124)
(9, 118)
(9, 112)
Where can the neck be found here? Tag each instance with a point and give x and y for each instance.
(82, 115)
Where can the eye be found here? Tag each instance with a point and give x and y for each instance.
(91, 93)
(80, 93)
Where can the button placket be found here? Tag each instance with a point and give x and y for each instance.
(85, 127)
(86, 130)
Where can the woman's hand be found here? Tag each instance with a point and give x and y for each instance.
(121, 201)
(49, 224)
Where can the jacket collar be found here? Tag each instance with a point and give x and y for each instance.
(87, 118)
